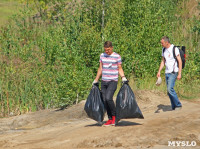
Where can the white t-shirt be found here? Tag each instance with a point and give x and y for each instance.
(170, 62)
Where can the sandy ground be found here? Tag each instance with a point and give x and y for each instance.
(70, 128)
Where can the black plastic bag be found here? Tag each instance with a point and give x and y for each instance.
(126, 105)
(94, 106)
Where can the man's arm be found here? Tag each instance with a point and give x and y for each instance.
(179, 66)
(121, 72)
(161, 66)
(99, 72)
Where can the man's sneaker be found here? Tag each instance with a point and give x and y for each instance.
(108, 123)
(113, 121)
(178, 108)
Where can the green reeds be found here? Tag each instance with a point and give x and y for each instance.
(51, 61)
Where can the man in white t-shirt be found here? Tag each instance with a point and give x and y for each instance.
(172, 71)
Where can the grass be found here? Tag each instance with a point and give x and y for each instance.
(185, 90)
(143, 84)
(7, 9)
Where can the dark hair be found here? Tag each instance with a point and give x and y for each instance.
(166, 39)
(107, 44)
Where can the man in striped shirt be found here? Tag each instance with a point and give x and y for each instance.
(109, 68)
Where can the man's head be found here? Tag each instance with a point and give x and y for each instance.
(108, 47)
(165, 42)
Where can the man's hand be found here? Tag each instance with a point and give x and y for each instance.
(179, 77)
(124, 79)
(94, 82)
(161, 67)
(179, 67)
(158, 74)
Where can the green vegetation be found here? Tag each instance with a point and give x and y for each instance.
(7, 8)
(50, 50)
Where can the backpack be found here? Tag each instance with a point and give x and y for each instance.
(182, 54)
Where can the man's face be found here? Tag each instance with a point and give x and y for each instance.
(164, 43)
(109, 50)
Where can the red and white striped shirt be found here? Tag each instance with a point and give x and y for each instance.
(110, 64)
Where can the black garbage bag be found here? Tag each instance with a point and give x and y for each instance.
(126, 105)
(94, 106)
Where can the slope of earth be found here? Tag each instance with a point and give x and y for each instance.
(70, 128)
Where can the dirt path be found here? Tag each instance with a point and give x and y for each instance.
(70, 128)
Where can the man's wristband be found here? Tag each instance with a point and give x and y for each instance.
(122, 76)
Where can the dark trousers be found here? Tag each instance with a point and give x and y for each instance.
(108, 89)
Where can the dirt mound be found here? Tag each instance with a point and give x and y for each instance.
(147, 100)
(70, 128)
(43, 118)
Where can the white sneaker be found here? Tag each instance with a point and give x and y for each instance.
(178, 108)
